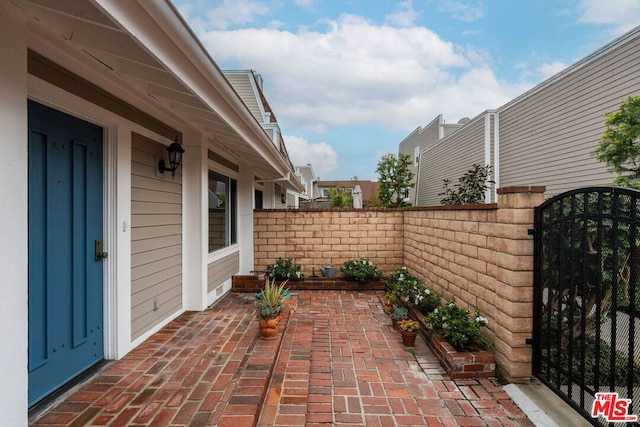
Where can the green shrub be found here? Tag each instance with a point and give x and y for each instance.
(412, 291)
(361, 270)
(284, 269)
(455, 325)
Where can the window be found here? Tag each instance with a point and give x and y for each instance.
(258, 199)
(222, 211)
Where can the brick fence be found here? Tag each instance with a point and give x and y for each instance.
(482, 255)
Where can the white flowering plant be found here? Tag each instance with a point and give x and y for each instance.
(284, 269)
(361, 270)
(456, 325)
(412, 291)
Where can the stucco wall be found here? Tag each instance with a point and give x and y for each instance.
(480, 255)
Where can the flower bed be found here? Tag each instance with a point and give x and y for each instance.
(457, 364)
(252, 283)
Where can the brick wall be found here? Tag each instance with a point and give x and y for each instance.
(481, 255)
(318, 237)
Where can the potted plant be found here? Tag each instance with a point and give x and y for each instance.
(269, 307)
(409, 330)
(361, 270)
(284, 269)
(399, 313)
(388, 300)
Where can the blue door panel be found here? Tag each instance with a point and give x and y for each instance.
(65, 219)
(38, 353)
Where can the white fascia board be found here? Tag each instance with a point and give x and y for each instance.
(159, 28)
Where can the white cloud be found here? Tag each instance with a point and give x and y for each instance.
(228, 13)
(305, 4)
(404, 16)
(323, 157)
(461, 10)
(547, 70)
(621, 15)
(359, 73)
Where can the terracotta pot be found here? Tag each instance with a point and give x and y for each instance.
(387, 307)
(409, 338)
(268, 328)
(394, 323)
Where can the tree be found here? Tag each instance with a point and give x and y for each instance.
(394, 180)
(470, 189)
(620, 144)
(340, 198)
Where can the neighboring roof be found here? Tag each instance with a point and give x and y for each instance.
(309, 168)
(248, 85)
(148, 47)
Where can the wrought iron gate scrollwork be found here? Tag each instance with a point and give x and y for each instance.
(587, 296)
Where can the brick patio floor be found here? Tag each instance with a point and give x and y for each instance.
(336, 361)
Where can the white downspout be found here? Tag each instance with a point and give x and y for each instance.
(487, 151)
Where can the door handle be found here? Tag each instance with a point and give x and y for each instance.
(100, 254)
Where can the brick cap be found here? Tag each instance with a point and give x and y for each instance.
(522, 189)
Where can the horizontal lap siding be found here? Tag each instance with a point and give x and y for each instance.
(156, 238)
(449, 159)
(242, 84)
(421, 138)
(221, 270)
(549, 137)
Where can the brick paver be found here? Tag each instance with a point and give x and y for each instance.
(336, 361)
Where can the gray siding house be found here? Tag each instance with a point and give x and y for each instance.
(421, 139)
(547, 135)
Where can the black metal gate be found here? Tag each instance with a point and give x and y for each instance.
(587, 300)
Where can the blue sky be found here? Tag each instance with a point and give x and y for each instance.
(348, 80)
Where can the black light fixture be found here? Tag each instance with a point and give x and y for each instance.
(175, 151)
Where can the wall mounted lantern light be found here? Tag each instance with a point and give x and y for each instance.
(175, 151)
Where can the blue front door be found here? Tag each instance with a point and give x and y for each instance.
(65, 221)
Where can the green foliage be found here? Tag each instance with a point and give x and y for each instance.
(455, 325)
(414, 293)
(588, 261)
(470, 189)
(270, 300)
(341, 198)
(594, 366)
(619, 146)
(284, 269)
(361, 270)
(374, 202)
(394, 180)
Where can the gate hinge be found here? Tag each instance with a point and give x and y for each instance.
(528, 341)
(531, 232)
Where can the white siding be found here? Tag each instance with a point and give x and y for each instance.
(548, 135)
(548, 138)
(420, 139)
(242, 84)
(156, 238)
(450, 159)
